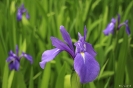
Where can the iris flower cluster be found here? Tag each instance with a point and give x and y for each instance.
(85, 64)
(21, 10)
(83, 55)
(111, 26)
(14, 59)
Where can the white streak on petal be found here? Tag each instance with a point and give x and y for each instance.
(83, 55)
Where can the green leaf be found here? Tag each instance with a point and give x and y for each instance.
(20, 80)
(5, 77)
(102, 70)
(75, 81)
(60, 78)
(46, 76)
(67, 81)
(31, 82)
(119, 77)
(12, 8)
(10, 80)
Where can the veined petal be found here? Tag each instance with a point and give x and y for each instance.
(48, 56)
(62, 46)
(66, 37)
(86, 67)
(14, 65)
(90, 49)
(28, 57)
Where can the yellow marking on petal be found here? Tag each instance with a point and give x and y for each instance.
(83, 55)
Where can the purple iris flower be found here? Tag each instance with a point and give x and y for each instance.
(14, 59)
(85, 64)
(21, 11)
(111, 26)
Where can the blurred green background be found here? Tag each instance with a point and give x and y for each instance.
(114, 52)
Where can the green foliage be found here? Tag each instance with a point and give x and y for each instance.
(114, 53)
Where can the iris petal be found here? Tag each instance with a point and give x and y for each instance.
(48, 56)
(110, 28)
(90, 49)
(27, 15)
(22, 8)
(62, 46)
(14, 65)
(127, 27)
(86, 67)
(10, 58)
(12, 54)
(28, 57)
(19, 15)
(127, 30)
(66, 37)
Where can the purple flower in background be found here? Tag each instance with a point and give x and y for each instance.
(85, 64)
(111, 26)
(21, 11)
(14, 59)
(127, 27)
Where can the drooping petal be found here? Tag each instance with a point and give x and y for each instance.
(86, 67)
(128, 30)
(127, 27)
(110, 28)
(62, 46)
(90, 49)
(28, 57)
(48, 56)
(27, 15)
(85, 33)
(14, 65)
(10, 58)
(66, 37)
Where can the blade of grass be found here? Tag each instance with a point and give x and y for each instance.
(46, 76)
(10, 80)
(60, 78)
(5, 77)
(119, 77)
